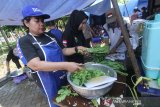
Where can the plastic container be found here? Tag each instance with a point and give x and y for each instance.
(151, 72)
(151, 48)
(96, 40)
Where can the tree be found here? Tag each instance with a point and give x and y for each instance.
(5, 37)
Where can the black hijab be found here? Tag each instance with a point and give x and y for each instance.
(75, 20)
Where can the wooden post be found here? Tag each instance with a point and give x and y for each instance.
(126, 38)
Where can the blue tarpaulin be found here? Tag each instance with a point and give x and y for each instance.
(10, 10)
(130, 5)
(99, 7)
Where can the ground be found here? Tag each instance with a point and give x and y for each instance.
(3, 70)
(24, 94)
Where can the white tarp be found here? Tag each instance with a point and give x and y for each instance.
(10, 10)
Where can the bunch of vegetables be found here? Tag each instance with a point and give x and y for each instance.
(64, 92)
(81, 77)
(117, 66)
(99, 48)
(98, 52)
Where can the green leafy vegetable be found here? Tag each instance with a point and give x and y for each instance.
(98, 48)
(95, 103)
(63, 93)
(81, 77)
(98, 52)
(117, 66)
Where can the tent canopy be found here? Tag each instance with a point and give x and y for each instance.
(10, 10)
(130, 5)
(10, 13)
(99, 7)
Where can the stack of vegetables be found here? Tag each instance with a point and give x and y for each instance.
(64, 92)
(117, 66)
(98, 52)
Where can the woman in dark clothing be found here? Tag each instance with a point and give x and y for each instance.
(144, 12)
(73, 35)
(43, 53)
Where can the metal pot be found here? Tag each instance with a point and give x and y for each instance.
(95, 92)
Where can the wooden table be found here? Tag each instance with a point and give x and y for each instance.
(79, 101)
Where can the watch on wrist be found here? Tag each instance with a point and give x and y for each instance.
(76, 49)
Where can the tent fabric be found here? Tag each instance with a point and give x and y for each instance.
(10, 10)
(99, 7)
(142, 3)
(130, 5)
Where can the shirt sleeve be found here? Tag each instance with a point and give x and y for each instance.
(68, 41)
(28, 50)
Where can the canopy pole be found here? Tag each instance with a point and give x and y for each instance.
(126, 39)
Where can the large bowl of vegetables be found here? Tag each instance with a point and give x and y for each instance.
(77, 80)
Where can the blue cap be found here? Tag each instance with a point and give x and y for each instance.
(32, 10)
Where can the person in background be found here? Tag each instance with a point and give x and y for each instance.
(134, 16)
(54, 30)
(87, 34)
(114, 32)
(144, 13)
(44, 54)
(152, 17)
(116, 38)
(12, 55)
(73, 35)
(97, 20)
(92, 30)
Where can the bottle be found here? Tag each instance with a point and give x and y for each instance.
(105, 38)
